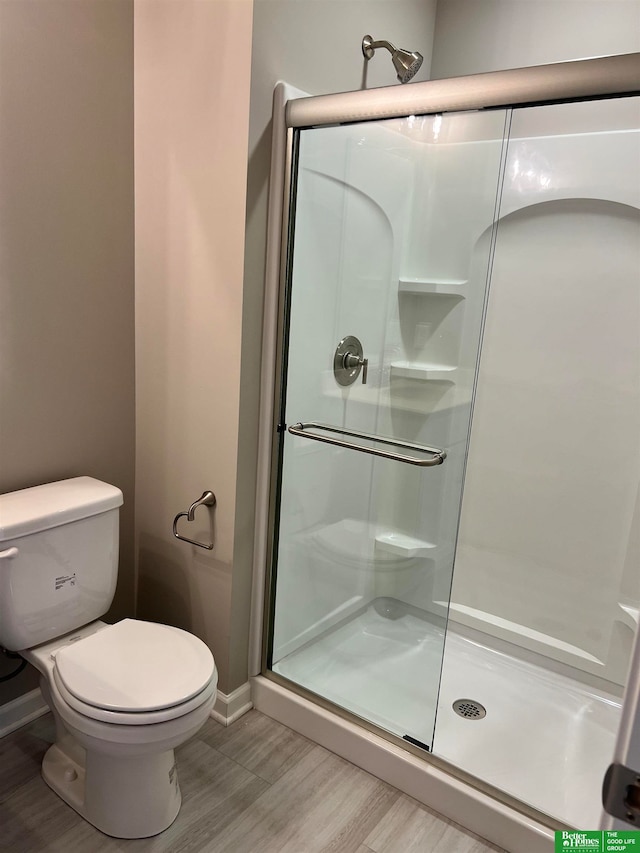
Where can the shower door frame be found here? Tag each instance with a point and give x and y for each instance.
(564, 82)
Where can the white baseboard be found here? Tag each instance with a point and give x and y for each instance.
(228, 708)
(21, 711)
(24, 709)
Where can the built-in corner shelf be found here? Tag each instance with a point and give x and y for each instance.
(441, 287)
(353, 540)
(423, 372)
(401, 545)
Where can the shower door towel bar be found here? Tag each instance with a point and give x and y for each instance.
(435, 456)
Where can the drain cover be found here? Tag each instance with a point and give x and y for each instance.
(469, 709)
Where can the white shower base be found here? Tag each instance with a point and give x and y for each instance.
(546, 739)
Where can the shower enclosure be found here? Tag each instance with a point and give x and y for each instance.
(455, 521)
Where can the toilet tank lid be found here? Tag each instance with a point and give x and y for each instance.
(53, 504)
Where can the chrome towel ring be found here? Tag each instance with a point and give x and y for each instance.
(206, 499)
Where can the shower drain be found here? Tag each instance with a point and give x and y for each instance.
(469, 709)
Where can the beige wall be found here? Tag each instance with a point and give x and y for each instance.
(489, 35)
(66, 254)
(191, 107)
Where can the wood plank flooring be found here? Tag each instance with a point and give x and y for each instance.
(254, 787)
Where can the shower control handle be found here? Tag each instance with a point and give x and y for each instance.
(351, 361)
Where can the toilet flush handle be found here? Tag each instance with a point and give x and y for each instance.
(8, 554)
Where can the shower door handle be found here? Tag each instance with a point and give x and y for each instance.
(433, 455)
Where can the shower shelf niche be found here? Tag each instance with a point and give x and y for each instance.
(432, 286)
(435, 323)
(404, 396)
(424, 372)
(401, 545)
(354, 540)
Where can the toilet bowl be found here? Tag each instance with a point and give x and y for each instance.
(123, 696)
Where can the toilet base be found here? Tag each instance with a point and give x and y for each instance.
(124, 798)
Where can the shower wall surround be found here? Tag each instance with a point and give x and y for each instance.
(548, 548)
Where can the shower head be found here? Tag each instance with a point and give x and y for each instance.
(405, 62)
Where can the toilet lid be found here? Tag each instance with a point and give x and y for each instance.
(135, 666)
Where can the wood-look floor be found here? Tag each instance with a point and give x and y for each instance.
(254, 787)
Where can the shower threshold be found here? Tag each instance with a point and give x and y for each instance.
(546, 739)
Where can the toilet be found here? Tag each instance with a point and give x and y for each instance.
(123, 696)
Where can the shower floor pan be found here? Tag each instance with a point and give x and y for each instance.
(546, 739)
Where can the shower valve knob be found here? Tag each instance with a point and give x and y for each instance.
(352, 362)
(349, 360)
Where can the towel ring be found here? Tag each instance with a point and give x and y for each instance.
(206, 499)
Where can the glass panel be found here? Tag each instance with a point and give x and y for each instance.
(546, 591)
(393, 235)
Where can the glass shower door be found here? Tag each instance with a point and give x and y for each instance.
(391, 240)
(546, 580)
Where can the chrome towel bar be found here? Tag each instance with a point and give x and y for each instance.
(435, 456)
(206, 499)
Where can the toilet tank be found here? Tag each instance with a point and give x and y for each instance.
(58, 559)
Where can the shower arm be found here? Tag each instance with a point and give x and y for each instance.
(369, 47)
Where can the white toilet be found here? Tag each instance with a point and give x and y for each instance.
(124, 695)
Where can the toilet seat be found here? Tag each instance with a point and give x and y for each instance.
(138, 718)
(135, 673)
